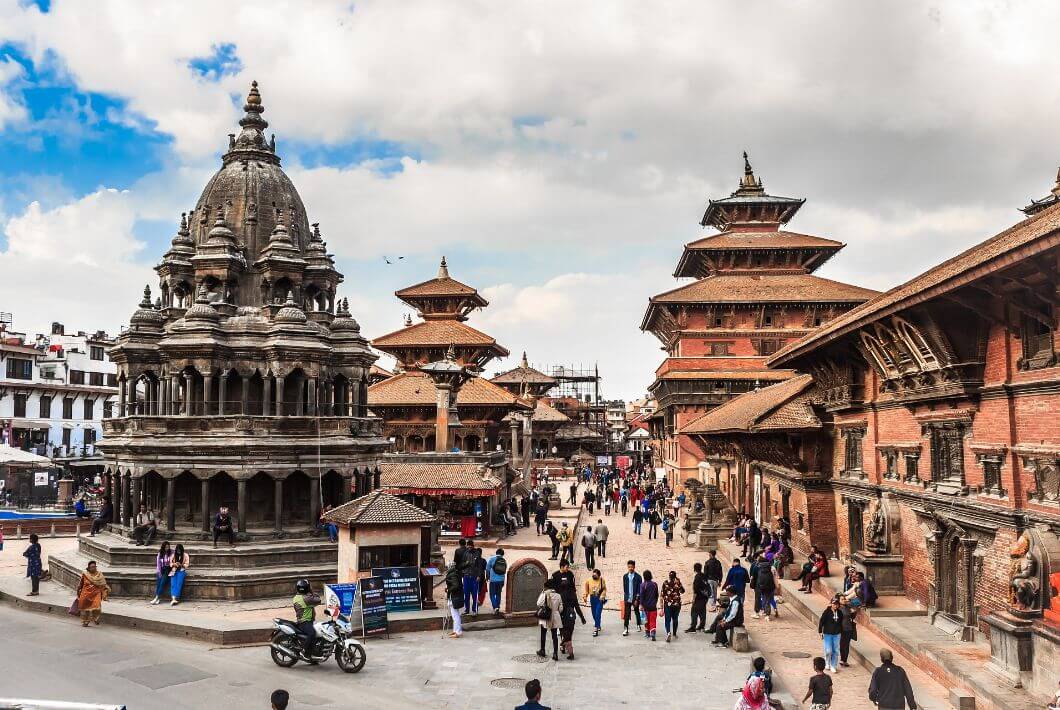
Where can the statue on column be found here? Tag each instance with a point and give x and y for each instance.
(1024, 587)
(878, 531)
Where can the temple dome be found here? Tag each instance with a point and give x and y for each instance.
(202, 310)
(290, 313)
(147, 315)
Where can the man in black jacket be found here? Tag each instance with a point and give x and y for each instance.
(713, 572)
(889, 687)
(700, 595)
(563, 579)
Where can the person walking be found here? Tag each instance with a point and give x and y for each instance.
(472, 556)
(623, 501)
(178, 565)
(496, 569)
(830, 627)
(595, 595)
(848, 633)
(736, 579)
(92, 591)
(541, 515)
(889, 687)
(573, 499)
(714, 573)
(700, 597)
(649, 602)
(33, 564)
(162, 569)
(672, 589)
(653, 524)
(819, 692)
(454, 595)
(570, 611)
(765, 589)
(566, 541)
(551, 601)
(553, 536)
(638, 519)
(631, 588)
(668, 524)
(589, 547)
(601, 532)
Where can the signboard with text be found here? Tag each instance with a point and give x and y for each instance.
(402, 585)
(341, 596)
(373, 606)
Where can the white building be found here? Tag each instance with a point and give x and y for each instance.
(55, 391)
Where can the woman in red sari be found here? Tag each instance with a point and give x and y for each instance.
(91, 593)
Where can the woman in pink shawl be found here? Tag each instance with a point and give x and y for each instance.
(753, 696)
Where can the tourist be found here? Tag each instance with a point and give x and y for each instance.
(601, 532)
(653, 524)
(668, 524)
(608, 500)
(222, 525)
(866, 592)
(92, 591)
(700, 597)
(729, 617)
(819, 692)
(758, 669)
(549, 599)
(533, 697)
(753, 695)
(80, 511)
(331, 528)
(595, 595)
(649, 602)
(454, 596)
(178, 565)
(638, 519)
(33, 564)
(524, 508)
(541, 515)
(566, 544)
(144, 533)
(765, 587)
(623, 501)
(830, 627)
(162, 569)
(570, 611)
(849, 633)
(672, 589)
(713, 572)
(889, 687)
(573, 499)
(565, 585)
(815, 568)
(496, 568)
(631, 588)
(553, 536)
(106, 512)
(736, 579)
(472, 575)
(589, 547)
(279, 699)
(753, 538)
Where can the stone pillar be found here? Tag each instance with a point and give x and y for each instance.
(347, 488)
(314, 500)
(122, 386)
(171, 508)
(124, 499)
(514, 425)
(207, 385)
(241, 501)
(115, 498)
(174, 394)
(312, 387)
(189, 387)
(222, 392)
(135, 499)
(967, 550)
(441, 422)
(353, 400)
(266, 396)
(204, 499)
(279, 396)
(245, 393)
(163, 396)
(329, 399)
(300, 400)
(278, 506)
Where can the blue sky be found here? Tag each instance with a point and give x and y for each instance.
(559, 156)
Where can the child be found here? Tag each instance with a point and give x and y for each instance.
(820, 687)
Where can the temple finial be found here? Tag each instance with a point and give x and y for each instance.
(747, 165)
(183, 222)
(450, 354)
(749, 183)
(408, 320)
(443, 270)
(254, 97)
(146, 302)
(524, 364)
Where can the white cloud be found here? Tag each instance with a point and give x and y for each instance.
(12, 109)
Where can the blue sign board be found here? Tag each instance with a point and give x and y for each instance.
(346, 594)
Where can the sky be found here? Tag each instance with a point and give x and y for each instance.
(558, 154)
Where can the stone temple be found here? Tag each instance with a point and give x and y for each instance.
(244, 384)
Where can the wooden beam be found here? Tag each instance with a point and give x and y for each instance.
(982, 311)
(1019, 307)
(1050, 301)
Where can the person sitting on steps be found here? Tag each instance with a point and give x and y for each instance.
(222, 525)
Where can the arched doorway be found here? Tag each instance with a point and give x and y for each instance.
(294, 394)
(296, 503)
(153, 494)
(261, 501)
(224, 492)
(332, 489)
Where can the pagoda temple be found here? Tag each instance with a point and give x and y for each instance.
(539, 431)
(754, 290)
(243, 386)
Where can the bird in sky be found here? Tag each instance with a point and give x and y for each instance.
(389, 261)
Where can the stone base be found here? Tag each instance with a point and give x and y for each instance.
(885, 572)
(555, 502)
(708, 536)
(1045, 646)
(1011, 652)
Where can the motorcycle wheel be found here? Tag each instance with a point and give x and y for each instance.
(351, 659)
(280, 659)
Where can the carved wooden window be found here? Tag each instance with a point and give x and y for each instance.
(992, 475)
(890, 459)
(719, 348)
(1046, 479)
(912, 473)
(1038, 345)
(879, 355)
(852, 453)
(916, 344)
(947, 451)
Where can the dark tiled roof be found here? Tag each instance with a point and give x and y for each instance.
(775, 407)
(1031, 236)
(520, 375)
(764, 374)
(378, 508)
(765, 288)
(438, 477)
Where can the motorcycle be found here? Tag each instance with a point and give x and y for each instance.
(334, 636)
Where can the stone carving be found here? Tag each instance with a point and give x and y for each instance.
(525, 581)
(1024, 587)
(877, 531)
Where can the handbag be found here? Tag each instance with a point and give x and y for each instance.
(544, 612)
(75, 608)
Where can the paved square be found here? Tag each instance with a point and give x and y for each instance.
(163, 675)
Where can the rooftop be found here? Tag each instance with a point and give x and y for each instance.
(414, 388)
(378, 508)
(775, 407)
(470, 479)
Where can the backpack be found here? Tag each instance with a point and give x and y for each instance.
(666, 524)
(500, 565)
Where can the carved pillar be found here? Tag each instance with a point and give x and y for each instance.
(441, 425)
(278, 506)
(135, 485)
(514, 425)
(314, 500)
(122, 398)
(207, 385)
(189, 387)
(115, 497)
(266, 396)
(311, 386)
(937, 564)
(204, 493)
(222, 392)
(124, 508)
(174, 394)
(241, 501)
(967, 552)
(171, 498)
(245, 393)
(279, 396)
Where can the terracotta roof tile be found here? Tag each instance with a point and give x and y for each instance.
(446, 286)
(947, 276)
(754, 411)
(438, 478)
(545, 413)
(765, 288)
(378, 508)
(436, 333)
(416, 389)
(763, 240)
(767, 375)
(520, 375)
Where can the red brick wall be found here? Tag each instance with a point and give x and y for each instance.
(917, 567)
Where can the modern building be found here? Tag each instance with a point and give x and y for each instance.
(753, 292)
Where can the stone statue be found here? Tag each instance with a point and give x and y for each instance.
(1025, 586)
(878, 531)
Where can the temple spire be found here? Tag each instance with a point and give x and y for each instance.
(443, 270)
(252, 137)
(524, 364)
(146, 301)
(749, 184)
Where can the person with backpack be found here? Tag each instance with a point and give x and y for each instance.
(649, 602)
(653, 524)
(496, 568)
(631, 586)
(668, 524)
(549, 605)
(553, 536)
(454, 595)
(589, 547)
(566, 545)
(638, 519)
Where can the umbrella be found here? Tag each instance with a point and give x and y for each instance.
(11, 456)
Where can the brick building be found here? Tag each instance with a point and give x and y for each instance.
(923, 445)
(754, 292)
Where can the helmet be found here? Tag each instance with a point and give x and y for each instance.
(302, 586)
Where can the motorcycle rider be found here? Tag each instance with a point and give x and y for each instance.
(305, 603)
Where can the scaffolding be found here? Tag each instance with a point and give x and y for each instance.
(581, 383)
